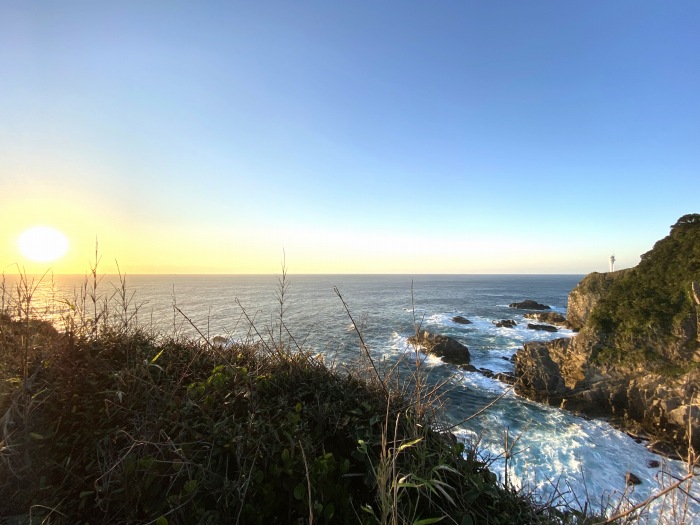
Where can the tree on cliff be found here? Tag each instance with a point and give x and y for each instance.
(691, 218)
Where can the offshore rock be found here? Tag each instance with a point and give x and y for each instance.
(504, 323)
(448, 349)
(529, 304)
(461, 320)
(544, 327)
(547, 317)
(632, 479)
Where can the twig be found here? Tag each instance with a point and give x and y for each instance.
(363, 345)
(308, 484)
(649, 500)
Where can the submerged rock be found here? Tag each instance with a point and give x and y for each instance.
(632, 479)
(448, 349)
(505, 323)
(529, 304)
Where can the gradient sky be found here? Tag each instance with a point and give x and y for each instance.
(357, 137)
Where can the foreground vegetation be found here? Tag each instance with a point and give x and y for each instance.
(104, 421)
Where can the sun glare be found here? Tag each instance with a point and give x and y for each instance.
(42, 244)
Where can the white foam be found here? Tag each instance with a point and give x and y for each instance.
(561, 454)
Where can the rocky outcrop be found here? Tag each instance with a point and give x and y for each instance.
(543, 327)
(448, 349)
(586, 295)
(547, 317)
(635, 357)
(504, 323)
(561, 373)
(529, 304)
(461, 320)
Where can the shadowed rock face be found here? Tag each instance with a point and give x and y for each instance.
(561, 373)
(448, 349)
(461, 320)
(529, 305)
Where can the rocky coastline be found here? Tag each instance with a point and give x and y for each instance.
(638, 368)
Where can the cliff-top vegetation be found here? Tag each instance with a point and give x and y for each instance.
(649, 313)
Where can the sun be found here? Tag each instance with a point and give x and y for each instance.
(42, 244)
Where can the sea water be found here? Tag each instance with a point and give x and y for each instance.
(552, 452)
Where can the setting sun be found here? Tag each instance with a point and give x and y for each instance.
(42, 244)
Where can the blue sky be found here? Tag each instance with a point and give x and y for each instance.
(372, 137)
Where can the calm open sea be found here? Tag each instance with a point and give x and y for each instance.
(556, 451)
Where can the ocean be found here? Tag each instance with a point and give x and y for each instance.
(552, 452)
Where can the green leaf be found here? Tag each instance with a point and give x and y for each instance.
(153, 361)
(362, 446)
(299, 491)
(328, 511)
(37, 436)
(86, 493)
(190, 486)
(409, 444)
(162, 520)
(427, 521)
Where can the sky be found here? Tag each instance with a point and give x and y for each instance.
(348, 137)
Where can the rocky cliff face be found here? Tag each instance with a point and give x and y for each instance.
(561, 373)
(586, 295)
(636, 355)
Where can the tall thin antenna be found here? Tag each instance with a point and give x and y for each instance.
(612, 263)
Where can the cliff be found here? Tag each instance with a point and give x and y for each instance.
(636, 357)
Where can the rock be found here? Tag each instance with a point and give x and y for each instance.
(547, 317)
(633, 358)
(632, 479)
(544, 327)
(505, 323)
(505, 377)
(586, 295)
(653, 464)
(664, 449)
(529, 304)
(448, 349)
(461, 320)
